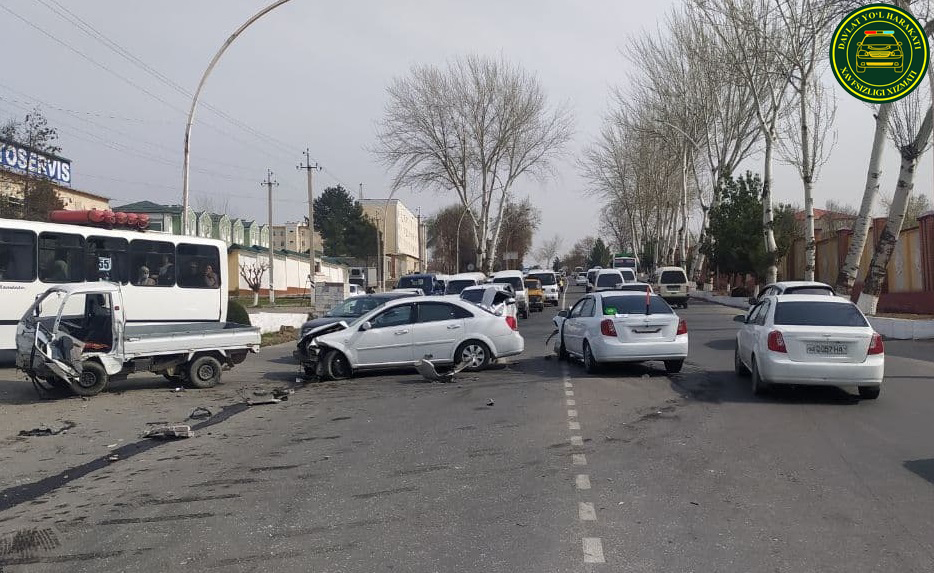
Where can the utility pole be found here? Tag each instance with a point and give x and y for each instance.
(360, 194)
(268, 183)
(309, 168)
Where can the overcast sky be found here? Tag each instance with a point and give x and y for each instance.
(313, 74)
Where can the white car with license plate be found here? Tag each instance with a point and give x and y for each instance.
(549, 280)
(622, 326)
(809, 340)
(581, 279)
(400, 333)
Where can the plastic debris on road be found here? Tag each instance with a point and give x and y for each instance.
(169, 432)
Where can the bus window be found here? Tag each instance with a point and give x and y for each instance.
(155, 259)
(107, 259)
(17, 255)
(198, 266)
(61, 258)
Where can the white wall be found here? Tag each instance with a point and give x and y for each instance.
(289, 272)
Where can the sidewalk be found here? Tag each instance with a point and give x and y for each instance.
(891, 328)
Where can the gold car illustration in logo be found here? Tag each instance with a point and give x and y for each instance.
(879, 49)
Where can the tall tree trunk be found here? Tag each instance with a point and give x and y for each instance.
(683, 205)
(848, 272)
(872, 288)
(256, 297)
(807, 178)
(767, 220)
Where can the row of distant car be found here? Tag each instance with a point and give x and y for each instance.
(671, 283)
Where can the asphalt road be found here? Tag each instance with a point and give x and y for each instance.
(534, 466)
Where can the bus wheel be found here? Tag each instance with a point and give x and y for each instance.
(204, 372)
(92, 381)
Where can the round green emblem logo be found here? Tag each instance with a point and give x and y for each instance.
(879, 53)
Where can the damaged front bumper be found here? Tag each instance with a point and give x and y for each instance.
(307, 352)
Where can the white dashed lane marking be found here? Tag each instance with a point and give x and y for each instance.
(569, 392)
(582, 481)
(577, 440)
(586, 511)
(572, 425)
(579, 459)
(568, 384)
(572, 403)
(572, 413)
(593, 550)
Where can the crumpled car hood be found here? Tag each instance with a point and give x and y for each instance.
(321, 330)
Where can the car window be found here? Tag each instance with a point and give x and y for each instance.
(673, 277)
(816, 313)
(810, 290)
(545, 278)
(455, 287)
(576, 309)
(587, 307)
(395, 316)
(634, 305)
(435, 312)
(609, 280)
(473, 295)
(514, 282)
(754, 313)
(763, 313)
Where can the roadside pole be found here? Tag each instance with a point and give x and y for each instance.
(309, 168)
(269, 182)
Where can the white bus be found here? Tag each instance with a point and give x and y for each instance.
(34, 255)
(625, 262)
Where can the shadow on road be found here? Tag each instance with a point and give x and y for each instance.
(923, 468)
(721, 386)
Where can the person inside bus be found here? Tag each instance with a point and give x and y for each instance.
(58, 271)
(192, 276)
(211, 280)
(166, 271)
(144, 279)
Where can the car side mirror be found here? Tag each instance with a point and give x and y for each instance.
(752, 300)
(563, 313)
(740, 318)
(510, 301)
(366, 325)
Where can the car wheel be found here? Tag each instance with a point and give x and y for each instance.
(474, 354)
(673, 366)
(759, 386)
(590, 363)
(92, 381)
(869, 392)
(738, 365)
(204, 372)
(336, 366)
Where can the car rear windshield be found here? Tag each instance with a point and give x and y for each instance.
(878, 40)
(814, 313)
(609, 280)
(473, 295)
(516, 282)
(634, 305)
(456, 286)
(414, 282)
(633, 287)
(809, 290)
(545, 278)
(673, 277)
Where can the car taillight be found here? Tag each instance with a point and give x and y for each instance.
(682, 327)
(511, 321)
(876, 346)
(776, 342)
(607, 328)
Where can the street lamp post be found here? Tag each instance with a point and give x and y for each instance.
(194, 103)
(457, 248)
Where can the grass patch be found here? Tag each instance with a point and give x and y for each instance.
(296, 301)
(286, 334)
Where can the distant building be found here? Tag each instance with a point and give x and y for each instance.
(12, 186)
(167, 219)
(827, 223)
(399, 227)
(294, 237)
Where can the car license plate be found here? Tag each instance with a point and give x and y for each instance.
(827, 349)
(674, 289)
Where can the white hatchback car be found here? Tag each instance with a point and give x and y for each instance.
(622, 326)
(809, 340)
(400, 333)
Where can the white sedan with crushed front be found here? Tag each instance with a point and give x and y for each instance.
(622, 326)
(400, 333)
(808, 340)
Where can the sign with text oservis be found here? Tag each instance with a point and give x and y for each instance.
(879, 53)
(23, 159)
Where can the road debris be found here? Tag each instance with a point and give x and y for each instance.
(263, 402)
(200, 413)
(113, 458)
(169, 432)
(282, 393)
(430, 373)
(179, 389)
(47, 431)
(489, 402)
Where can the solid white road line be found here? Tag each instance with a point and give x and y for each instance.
(583, 481)
(577, 441)
(572, 413)
(579, 459)
(586, 511)
(574, 425)
(569, 392)
(572, 403)
(593, 550)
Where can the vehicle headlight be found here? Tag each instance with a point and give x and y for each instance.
(896, 54)
(862, 54)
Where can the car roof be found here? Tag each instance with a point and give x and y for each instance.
(809, 298)
(787, 284)
(629, 293)
(660, 269)
(386, 295)
(607, 271)
(541, 272)
(502, 274)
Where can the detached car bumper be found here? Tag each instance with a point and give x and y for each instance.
(781, 370)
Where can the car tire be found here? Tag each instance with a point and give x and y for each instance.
(92, 381)
(759, 386)
(204, 372)
(475, 353)
(336, 366)
(869, 392)
(591, 366)
(673, 366)
(738, 365)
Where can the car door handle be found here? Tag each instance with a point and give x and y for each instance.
(453, 326)
(399, 332)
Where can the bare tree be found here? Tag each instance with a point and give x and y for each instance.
(253, 276)
(912, 141)
(547, 252)
(474, 127)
